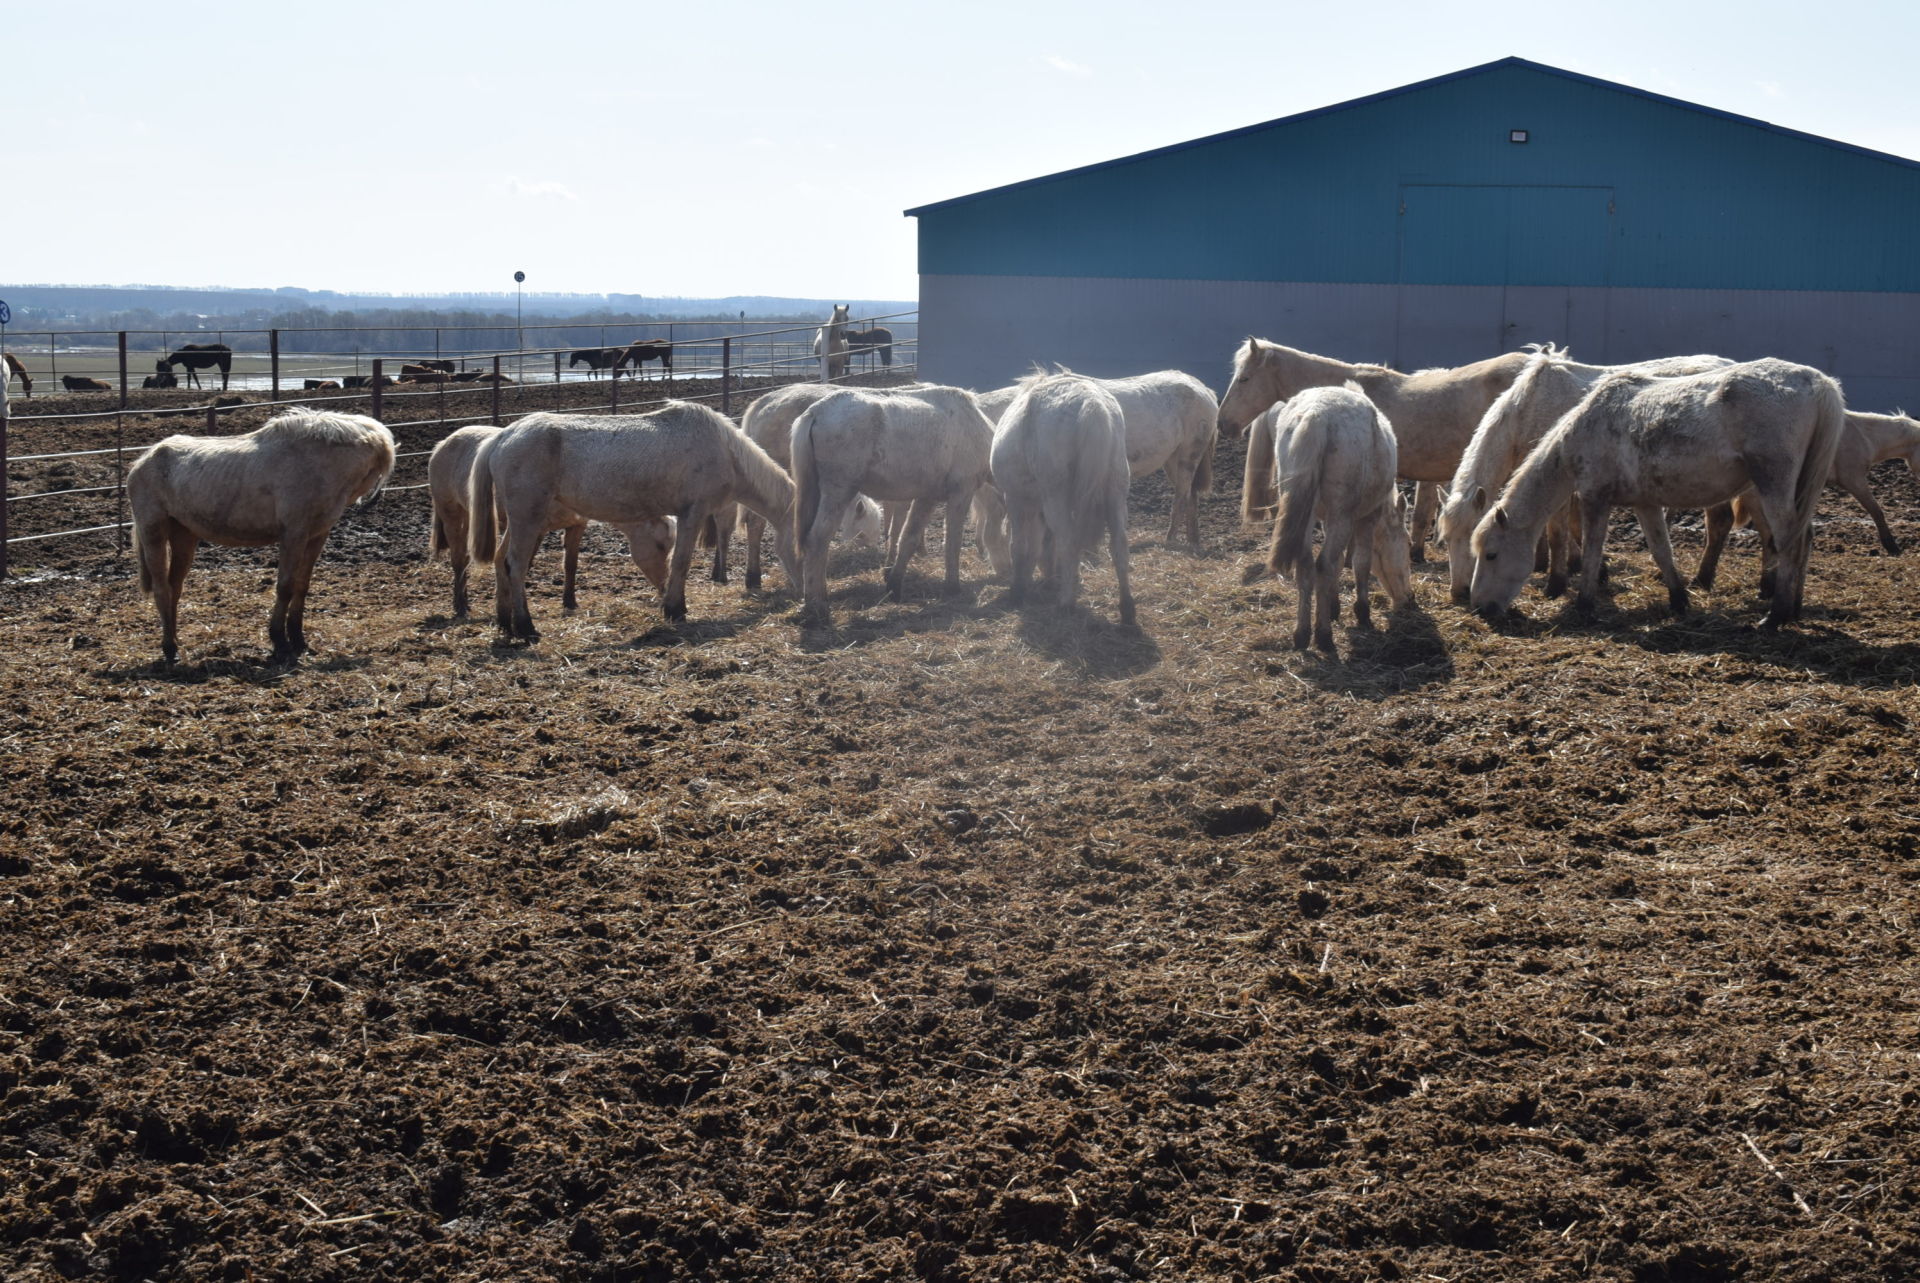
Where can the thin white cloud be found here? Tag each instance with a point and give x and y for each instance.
(536, 191)
(1068, 66)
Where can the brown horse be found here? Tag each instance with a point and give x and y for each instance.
(14, 367)
(639, 352)
(868, 343)
(162, 377)
(202, 356)
(598, 358)
(80, 383)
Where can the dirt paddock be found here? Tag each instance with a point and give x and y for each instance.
(958, 942)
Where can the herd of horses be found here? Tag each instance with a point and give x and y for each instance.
(1517, 455)
(636, 354)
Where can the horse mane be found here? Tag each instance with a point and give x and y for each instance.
(307, 424)
(756, 473)
(1038, 372)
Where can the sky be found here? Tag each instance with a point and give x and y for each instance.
(724, 147)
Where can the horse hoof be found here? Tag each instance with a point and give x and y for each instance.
(1677, 602)
(1127, 619)
(1556, 586)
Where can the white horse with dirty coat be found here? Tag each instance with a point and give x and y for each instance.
(1549, 386)
(1060, 462)
(768, 423)
(830, 344)
(925, 445)
(285, 483)
(683, 461)
(1337, 460)
(449, 480)
(1652, 444)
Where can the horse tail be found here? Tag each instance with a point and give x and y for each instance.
(1829, 427)
(1203, 470)
(1256, 488)
(481, 534)
(144, 556)
(1299, 495)
(806, 480)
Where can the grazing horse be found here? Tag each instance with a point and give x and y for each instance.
(15, 366)
(923, 445)
(1548, 387)
(285, 483)
(1336, 459)
(683, 460)
(639, 352)
(322, 385)
(768, 423)
(449, 479)
(597, 359)
(1652, 444)
(80, 383)
(202, 356)
(830, 345)
(423, 372)
(162, 377)
(1060, 462)
(1869, 439)
(1433, 412)
(869, 343)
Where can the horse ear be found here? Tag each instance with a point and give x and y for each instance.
(1500, 515)
(1479, 498)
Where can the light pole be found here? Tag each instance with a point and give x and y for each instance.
(519, 327)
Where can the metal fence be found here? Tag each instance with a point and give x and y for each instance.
(287, 365)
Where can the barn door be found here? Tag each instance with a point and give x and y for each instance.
(1485, 269)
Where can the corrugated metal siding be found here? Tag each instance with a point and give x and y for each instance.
(983, 332)
(1697, 201)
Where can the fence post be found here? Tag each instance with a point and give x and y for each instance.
(3, 483)
(213, 418)
(614, 385)
(556, 367)
(273, 347)
(496, 391)
(120, 453)
(726, 368)
(376, 387)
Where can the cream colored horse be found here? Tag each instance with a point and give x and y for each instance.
(924, 445)
(1433, 412)
(1869, 439)
(449, 478)
(285, 483)
(768, 423)
(1653, 444)
(1549, 386)
(1336, 459)
(830, 345)
(1060, 463)
(683, 461)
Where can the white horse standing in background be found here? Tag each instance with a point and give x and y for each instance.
(925, 445)
(449, 479)
(830, 345)
(683, 461)
(284, 483)
(1869, 439)
(1336, 459)
(768, 423)
(1652, 444)
(1549, 386)
(1060, 462)
(1434, 412)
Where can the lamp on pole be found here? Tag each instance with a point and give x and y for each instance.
(519, 327)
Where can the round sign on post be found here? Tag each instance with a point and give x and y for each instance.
(6, 313)
(519, 277)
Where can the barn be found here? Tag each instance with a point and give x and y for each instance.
(1439, 223)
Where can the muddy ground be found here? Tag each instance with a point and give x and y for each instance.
(958, 942)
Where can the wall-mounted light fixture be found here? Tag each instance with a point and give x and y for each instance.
(1516, 135)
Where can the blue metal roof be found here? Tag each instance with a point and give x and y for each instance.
(1352, 103)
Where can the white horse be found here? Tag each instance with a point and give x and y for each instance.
(830, 345)
(768, 423)
(1433, 412)
(1550, 385)
(683, 461)
(925, 445)
(285, 483)
(1869, 439)
(1337, 460)
(1060, 462)
(1652, 444)
(449, 478)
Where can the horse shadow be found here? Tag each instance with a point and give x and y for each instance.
(1091, 642)
(861, 616)
(262, 671)
(1408, 654)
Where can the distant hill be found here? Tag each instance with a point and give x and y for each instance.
(58, 306)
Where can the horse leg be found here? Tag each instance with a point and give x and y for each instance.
(454, 523)
(1653, 524)
(813, 555)
(1021, 540)
(1783, 570)
(1362, 557)
(1426, 504)
(510, 565)
(1063, 549)
(756, 525)
(958, 502)
(686, 539)
(292, 549)
(1336, 538)
(1560, 534)
(722, 536)
(1864, 497)
(910, 542)
(1593, 555)
(180, 545)
(303, 581)
(570, 558)
(1719, 525)
(1122, 555)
